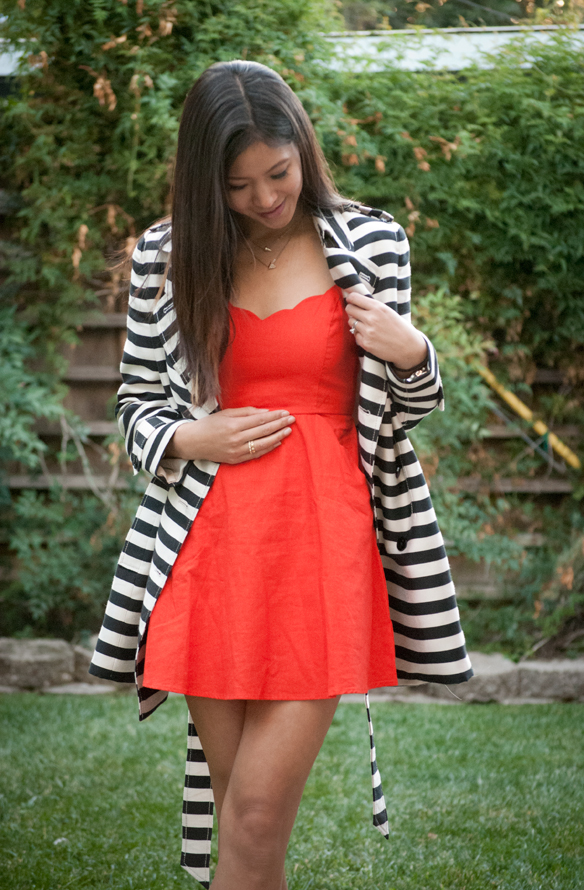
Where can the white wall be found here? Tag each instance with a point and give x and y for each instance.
(449, 49)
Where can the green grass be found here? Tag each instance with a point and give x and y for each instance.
(480, 797)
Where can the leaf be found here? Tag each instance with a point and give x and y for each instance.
(114, 41)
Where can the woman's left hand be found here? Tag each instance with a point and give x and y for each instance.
(382, 332)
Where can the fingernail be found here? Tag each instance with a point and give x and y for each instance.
(291, 419)
(287, 431)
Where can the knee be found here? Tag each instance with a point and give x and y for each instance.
(258, 823)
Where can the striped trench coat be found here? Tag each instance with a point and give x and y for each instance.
(366, 252)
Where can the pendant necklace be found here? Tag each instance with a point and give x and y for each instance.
(274, 260)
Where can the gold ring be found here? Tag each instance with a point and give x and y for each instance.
(251, 446)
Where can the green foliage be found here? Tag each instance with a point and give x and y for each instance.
(88, 140)
(485, 172)
(448, 435)
(67, 545)
(560, 603)
(447, 441)
(369, 15)
(542, 609)
(24, 394)
(27, 392)
(91, 135)
(378, 14)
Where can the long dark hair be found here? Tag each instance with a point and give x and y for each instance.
(230, 106)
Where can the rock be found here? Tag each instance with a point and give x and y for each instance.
(33, 664)
(79, 689)
(407, 690)
(496, 678)
(561, 679)
(528, 701)
(499, 679)
(82, 658)
(410, 698)
(40, 664)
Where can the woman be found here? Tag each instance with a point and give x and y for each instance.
(248, 338)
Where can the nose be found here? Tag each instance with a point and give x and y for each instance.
(265, 196)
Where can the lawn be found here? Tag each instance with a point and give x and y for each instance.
(480, 796)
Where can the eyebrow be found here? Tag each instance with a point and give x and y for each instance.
(278, 164)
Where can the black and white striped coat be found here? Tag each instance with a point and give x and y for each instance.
(367, 252)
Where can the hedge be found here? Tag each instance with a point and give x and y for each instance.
(484, 169)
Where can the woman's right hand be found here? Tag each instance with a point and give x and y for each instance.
(224, 436)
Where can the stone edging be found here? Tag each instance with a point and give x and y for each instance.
(45, 664)
(55, 666)
(497, 678)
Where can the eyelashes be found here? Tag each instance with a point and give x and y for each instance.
(277, 176)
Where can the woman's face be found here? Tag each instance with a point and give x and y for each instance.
(264, 184)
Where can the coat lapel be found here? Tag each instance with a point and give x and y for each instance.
(351, 274)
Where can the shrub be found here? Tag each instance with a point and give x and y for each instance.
(66, 545)
(87, 139)
(483, 169)
(24, 394)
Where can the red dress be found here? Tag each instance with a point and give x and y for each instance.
(278, 591)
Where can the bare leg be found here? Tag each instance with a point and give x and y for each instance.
(219, 725)
(260, 754)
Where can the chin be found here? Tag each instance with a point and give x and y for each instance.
(278, 223)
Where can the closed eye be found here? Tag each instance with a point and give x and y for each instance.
(238, 188)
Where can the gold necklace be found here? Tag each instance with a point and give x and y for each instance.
(272, 263)
(267, 249)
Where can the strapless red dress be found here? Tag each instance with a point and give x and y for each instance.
(278, 591)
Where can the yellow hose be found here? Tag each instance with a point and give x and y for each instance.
(538, 425)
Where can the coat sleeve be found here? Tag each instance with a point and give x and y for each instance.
(417, 399)
(146, 419)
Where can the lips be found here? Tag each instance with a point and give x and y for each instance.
(272, 214)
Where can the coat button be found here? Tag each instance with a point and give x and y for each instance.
(402, 543)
